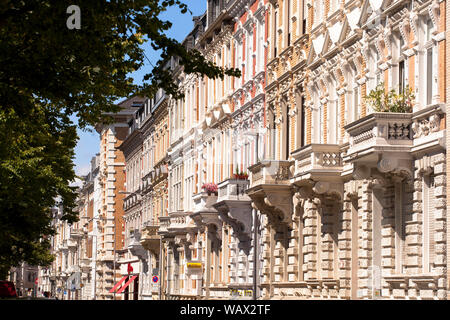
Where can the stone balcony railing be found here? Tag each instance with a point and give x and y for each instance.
(270, 188)
(233, 189)
(381, 140)
(204, 211)
(132, 199)
(180, 222)
(76, 233)
(85, 264)
(270, 172)
(164, 223)
(234, 206)
(203, 200)
(150, 238)
(71, 244)
(317, 160)
(318, 166)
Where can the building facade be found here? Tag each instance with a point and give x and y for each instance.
(292, 181)
(368, 189)
(145, 151)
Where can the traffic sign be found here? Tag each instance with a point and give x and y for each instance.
(155, 279)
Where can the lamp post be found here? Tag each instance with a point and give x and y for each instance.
(256, 133)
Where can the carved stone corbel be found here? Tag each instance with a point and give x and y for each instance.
(335, 188)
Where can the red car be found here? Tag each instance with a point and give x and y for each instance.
(7, 289)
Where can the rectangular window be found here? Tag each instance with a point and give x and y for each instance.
(429, 75)
(275, 34)
(288, 22)
(356, 103)
(401, 76)
(304, 16)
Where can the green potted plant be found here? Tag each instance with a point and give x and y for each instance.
(391, 101)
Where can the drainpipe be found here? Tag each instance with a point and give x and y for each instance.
(447, 109)
(208, 261)
(160, 269)
(255, 253)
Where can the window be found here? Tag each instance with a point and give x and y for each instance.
(287, 130)
(401, 76)
(356, 102)
(318, 12)
(305, 16)
(427, 61)
(275, 24)
(288, 22)
(249, 57)
(429, 75)
(260, 46)
(274, 133)
(334, 5)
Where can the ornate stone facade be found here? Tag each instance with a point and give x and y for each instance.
(369, 194)
(286, 183)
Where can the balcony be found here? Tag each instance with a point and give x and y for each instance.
(318, 166)
(270, 188)
(150, 238)
(234, 206)
(204, 211)
(132, 200)
(85, 264)
(180, 222)
(135, 247)
(76, 234)
(164, 223)
(71, 244)
(380, 140)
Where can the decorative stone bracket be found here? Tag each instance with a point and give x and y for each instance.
(276, 202)
(238, 214)
(136, 248)
(150, 239)
(329, 188)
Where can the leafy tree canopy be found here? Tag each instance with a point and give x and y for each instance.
(49, 73)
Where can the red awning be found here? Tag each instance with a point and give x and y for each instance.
(126, 284)
(118, 284)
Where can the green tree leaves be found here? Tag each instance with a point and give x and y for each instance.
(49, 73)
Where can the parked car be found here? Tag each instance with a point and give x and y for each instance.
(7, 289)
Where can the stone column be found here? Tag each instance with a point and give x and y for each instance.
(292, 253)
(310, 236)
(440, 223)
(365, 215)
(345, 246)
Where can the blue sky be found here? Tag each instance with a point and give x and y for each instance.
(88, 144)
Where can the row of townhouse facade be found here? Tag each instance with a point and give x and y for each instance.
(285, 183)
(86, 252)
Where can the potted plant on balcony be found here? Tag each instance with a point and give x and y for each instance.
(240, 175)
(210, 188)
(392, 101)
